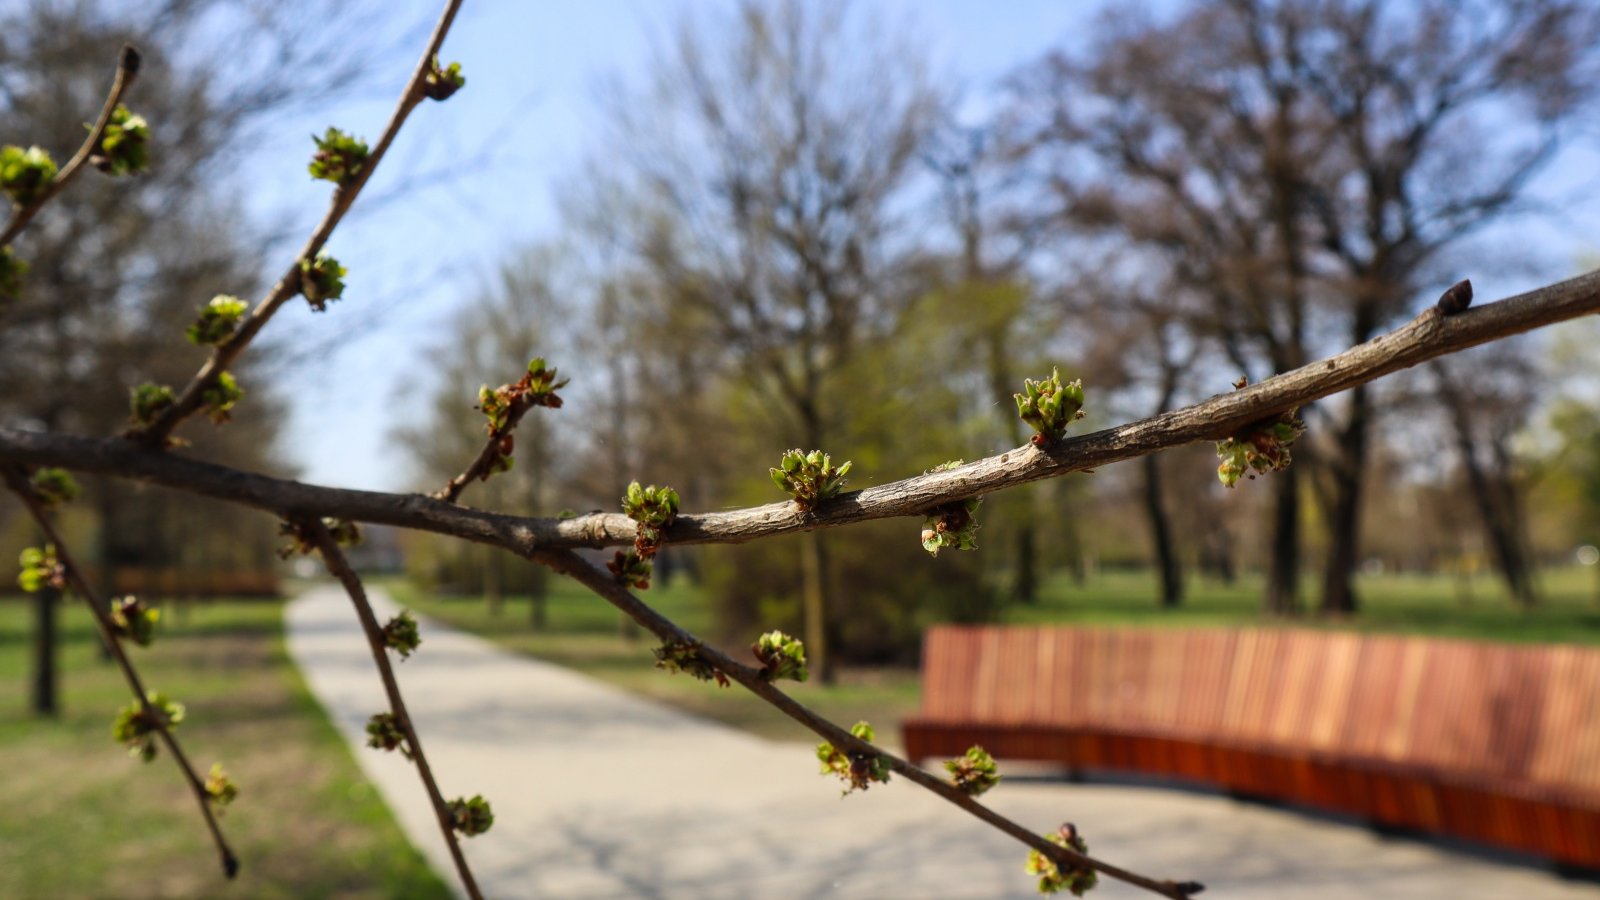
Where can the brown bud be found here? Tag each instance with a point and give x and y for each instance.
(1457, 298)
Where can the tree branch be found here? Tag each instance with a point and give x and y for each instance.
(568, 563)
(1430, 335)
(127, 70)
(505, 408)
(17, 481)
(339, 568)
(192, 396)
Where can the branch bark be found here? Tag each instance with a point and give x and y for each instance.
(602, 583)
(1430, 335)
(339, 568)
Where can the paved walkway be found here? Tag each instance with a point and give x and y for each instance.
(599, 794)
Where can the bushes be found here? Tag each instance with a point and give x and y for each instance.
(885, 590)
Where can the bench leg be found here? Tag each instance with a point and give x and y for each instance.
(1575, 872)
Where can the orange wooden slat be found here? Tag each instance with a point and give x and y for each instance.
(1441, 734)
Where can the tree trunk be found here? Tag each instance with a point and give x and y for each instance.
(493, 584)
(1167, 564)
(1216, 555)
(814, 579)
(107, 549)
(1498, 510)
(538, 597)
(45, 690)
(1283, 575)
(1344, 519)
(1025, 587)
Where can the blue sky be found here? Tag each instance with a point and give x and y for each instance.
(419, 245)
(524, 119)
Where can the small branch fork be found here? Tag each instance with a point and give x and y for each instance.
(17, 481)
(451, 492)
(482, 467)
(127, 70)
(192, 396)
(339, 567)
(602, 583)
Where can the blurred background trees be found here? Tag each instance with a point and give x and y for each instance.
(797, 235)
(1307, 169)
(117, 270)
(790, 229)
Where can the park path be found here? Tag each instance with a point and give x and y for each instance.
(598, 793)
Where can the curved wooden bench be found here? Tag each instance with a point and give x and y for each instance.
(1492, 743)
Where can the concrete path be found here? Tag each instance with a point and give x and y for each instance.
(599, 794)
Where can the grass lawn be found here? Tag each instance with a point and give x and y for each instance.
(1437, 605)
(582, 632)
(83, 819)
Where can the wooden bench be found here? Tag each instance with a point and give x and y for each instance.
(154, 583)
(1498, 744)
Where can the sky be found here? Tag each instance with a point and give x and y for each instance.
(425, 235)
(473, 179)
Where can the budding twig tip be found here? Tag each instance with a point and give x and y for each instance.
(129, 58)
(1457, 298)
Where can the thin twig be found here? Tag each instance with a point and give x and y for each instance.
(127, 71)
(568, 563)
(481, 465)
(192, 396)
(17, 481)
(339, 567)
(1429, 336)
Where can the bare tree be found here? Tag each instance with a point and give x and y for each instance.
(1307, 166)
(164, 243)
(755, 181)
(1487, 399)
(989, 295)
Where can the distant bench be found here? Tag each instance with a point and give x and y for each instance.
(1492, 743)
(185, 582)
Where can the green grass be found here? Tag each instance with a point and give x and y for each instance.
(582, 632)
(1414, 604)
(83, 819)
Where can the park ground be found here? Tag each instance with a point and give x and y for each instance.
(97, 820)
(84, 819)
(599, 794)
(584, 634)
